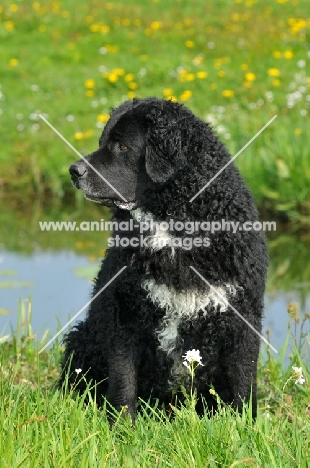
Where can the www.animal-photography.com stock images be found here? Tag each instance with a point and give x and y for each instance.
(155, 234)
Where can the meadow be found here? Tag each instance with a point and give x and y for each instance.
(236, 64)
(42, 428)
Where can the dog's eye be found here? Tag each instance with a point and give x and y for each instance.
(123, 147)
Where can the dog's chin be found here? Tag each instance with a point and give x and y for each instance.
(125, 205)
(112, 203)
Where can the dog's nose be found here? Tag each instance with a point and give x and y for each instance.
(78, 169)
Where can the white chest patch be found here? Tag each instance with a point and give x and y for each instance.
(182, 305)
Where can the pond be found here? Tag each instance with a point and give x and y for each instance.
(54, 269)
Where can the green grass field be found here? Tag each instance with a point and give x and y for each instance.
(42, 428)
(234, 63)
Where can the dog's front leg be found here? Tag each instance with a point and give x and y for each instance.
(123, 369)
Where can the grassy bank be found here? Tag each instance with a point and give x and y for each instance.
(40, 427)
(235, 64)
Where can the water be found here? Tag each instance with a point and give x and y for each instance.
(57, 293)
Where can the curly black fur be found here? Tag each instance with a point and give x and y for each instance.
(169, 156)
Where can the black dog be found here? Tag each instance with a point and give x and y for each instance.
(157, 155)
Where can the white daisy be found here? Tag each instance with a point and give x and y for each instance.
(298, 375)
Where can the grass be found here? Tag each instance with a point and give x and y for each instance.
(235, 64)
(41, 427)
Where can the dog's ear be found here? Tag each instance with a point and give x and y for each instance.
(163, 144)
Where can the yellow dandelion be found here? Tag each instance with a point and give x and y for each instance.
(182, 75)
(13, 7)
(113, 77)
(187, 94)
(189, 44)
(79, 136)
(105, 29)
(244, 66)
(118, 71)
(9, 25)
(89, 93)
(132, 85)
(103, 118)
(228, 93)
(288, 54)
(147, 31)
(202, 74)
(155, 25)
(95, 27)
(276, 82)
(276, 54)
(221, 73)
(89, 19)
(112, 48)
(126, 22)
(65, 14)
(13, 62)
(183, 72)
(42, 28)
(190, 77)
(273, 72)
(298, 131)
(131, 94)
(167, 91)
(144, 58)
(137, 22)
(129, 77)
(250, 76)
(89, 83)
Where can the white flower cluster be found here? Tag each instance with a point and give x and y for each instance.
(297, 90)
(298, 375)
(192, 356)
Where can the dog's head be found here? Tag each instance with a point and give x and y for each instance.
(140, 148)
